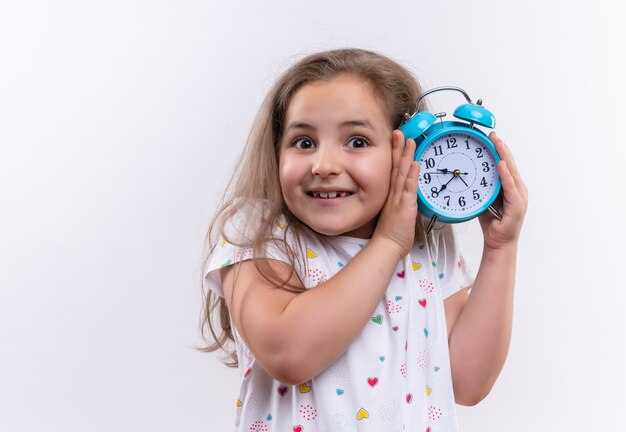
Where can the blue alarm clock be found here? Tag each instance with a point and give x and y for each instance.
(458, 178)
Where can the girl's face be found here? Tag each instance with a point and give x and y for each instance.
(335, 156)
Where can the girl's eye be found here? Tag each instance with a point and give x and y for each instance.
(303, 143)
(358, 142)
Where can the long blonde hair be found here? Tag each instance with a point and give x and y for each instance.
(256, 178)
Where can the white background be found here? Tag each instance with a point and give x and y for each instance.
(121, 120)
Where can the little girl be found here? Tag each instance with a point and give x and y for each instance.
(344, 314)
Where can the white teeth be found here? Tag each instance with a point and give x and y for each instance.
(330, 194)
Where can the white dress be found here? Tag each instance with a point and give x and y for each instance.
(395, 376)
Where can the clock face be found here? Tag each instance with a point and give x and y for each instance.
(458, 174)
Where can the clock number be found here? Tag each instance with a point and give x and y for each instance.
(483, 182)
(427, 178)
(447, 198)
(480, 153)
(451, 143)
(462, 201)
(486, 167)
(476, 194)
(438, 151)
(430, 163)
(467, 144)
(434, 191)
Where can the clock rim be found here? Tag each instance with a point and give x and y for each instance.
(446, 128)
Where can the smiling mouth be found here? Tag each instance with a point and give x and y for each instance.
(329, 195)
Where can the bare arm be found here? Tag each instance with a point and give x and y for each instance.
(480, 339)
(294, 336)
(481, 333)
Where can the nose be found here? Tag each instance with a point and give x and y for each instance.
(327, 161)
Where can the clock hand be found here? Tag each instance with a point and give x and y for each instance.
(456, 173)
(447, 171)
(444, 186)
(444, 171)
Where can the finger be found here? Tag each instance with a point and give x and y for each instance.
(407, 158)
(506, 154)
(397, 147)
(412, 180)
(396, 152)
(512, 197)
(512, 166)
(404, 168)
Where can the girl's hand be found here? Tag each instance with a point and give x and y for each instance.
(501, 233)
(397, 218)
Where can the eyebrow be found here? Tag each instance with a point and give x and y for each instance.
(347, 123)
